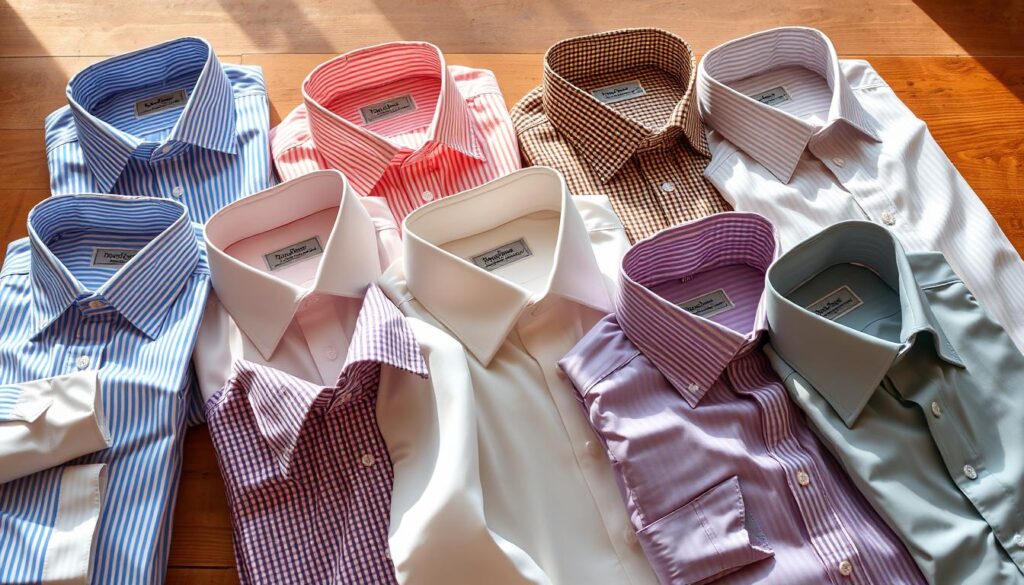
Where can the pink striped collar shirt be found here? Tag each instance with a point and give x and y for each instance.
(307, 472)
(678, 369)
(401, 124)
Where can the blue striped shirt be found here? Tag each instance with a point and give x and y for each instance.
(117, 284)
(164, 121)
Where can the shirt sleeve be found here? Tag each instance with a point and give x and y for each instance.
(46, 422)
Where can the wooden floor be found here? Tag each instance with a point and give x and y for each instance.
(958, 65)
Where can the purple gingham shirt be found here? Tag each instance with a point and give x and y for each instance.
(721, 475)
(307, 472)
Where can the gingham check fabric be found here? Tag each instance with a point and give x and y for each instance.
(647, 153)
(307, 471)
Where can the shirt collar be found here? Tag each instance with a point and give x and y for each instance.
(477, 306)
(844, 365)
(772, 137)
(691, 351)
(281, 403)
(602, 136)
(341, 141)
(143, 289)
(207, 120)
(262, 304)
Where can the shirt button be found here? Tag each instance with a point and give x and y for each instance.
(178, 191)
(970, 472)
(936, 410)
(166, 149)
(630, 536)
(839, 162)
(668, 186)
(888, 218)
(428, 195)
(332, 353)
(845, 568)
(96, 304)
(693, 388)
(1018, 539)
(82, 362)
(803, 478)
(594, 449)
(367, 460)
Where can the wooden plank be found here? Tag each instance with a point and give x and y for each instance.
(202, 526)
(871, 27)
(198, 576)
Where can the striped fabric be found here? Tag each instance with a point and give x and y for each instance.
(809, 140)
(308, 474)
(658, 380)
(206, 143)
(400, 123)
(64, 308)
(646, 153)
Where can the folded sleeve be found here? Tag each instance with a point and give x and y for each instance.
(46, 422)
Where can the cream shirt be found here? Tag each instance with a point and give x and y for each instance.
(289, 267)
(498, 475)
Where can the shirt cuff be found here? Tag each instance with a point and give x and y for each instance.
(46, 422)
(69, 549)
(706, 539)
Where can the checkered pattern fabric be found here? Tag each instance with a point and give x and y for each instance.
(647, 153)
(307, 472)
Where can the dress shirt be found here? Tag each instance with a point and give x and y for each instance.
(307, 472)
(496, 478)
(918, 392)
(49, 421)
(678, 368)
(616, 113)
(115, 284)
(164, 121)
(808, 141)
(290, 266)
(400, 123)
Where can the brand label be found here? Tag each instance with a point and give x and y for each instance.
(773, 96)
(297, 252)
(396, 106)
(159, 103)
(503, 255)
(708, 305)
(619, 92)
(112, 256)
(835, 304)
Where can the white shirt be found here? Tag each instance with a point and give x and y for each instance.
(46, 422)
(290, 266)
(499, 478)
(808, 141)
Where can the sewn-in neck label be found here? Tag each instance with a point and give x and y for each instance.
(836, 303)
(296, 252)
(503, 255)
(708, 304)
(619, 92)
(389, 108)
(158, 103)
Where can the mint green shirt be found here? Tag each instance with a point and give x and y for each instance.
(914, 388)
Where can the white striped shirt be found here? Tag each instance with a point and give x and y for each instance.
(401, 124)
(809, 140)
(164, 121)
(63, 308)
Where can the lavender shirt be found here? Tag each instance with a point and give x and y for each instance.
(307, 472)
(722, 478)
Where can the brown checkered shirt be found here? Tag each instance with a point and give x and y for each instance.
(617, 114)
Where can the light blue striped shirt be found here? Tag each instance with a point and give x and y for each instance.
(117, 284)
(164, 121)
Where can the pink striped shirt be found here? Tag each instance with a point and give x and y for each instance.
(401, 124)
(722, 477)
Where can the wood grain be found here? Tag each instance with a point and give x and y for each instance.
(870, 27)
(958, 65)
